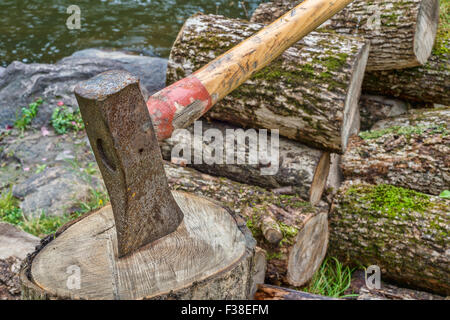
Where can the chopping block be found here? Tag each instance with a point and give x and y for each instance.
(151, 242)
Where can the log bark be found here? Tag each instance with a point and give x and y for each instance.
(304, 227)
(295, 165)
(310, 93)
(375, 108)
(401, 33)
(391, 292)
(429, 83)
(411, 152)
(404, 232)
(268, 292)
(190, 263)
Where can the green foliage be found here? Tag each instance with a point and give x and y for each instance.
(332, 279)
(44, 225)
(28, 114)
(392, 200)
(445, 194)
(97, 200)
(65, 119)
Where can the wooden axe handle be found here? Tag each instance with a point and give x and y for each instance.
(180, 104)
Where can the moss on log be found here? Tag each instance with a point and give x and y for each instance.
(404, 232)
(411, 151)
(310, 93)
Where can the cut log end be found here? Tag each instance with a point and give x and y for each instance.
(426, 28)
(191, 263)
(309, 250)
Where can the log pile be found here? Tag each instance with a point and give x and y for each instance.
(296, 168)
(383, 183)
(310, 94)
(293, 233)
(401, 33)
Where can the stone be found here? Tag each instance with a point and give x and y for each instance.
(52, 192)
(21, 84)
(15, 244)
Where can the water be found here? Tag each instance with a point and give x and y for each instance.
(36, 31)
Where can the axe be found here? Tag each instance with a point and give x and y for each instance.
(124, 129)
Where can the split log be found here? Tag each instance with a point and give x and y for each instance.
(375, 108)
(411, 152)
(196, 263)
(296, 258)
(294, 165)
(268, 292)
(310, 93)
(335, 176)
(401, 33)
(404, 232)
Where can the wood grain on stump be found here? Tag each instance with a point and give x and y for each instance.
(209, 256)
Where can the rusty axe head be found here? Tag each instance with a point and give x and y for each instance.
(124, 142)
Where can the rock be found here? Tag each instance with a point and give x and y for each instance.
(15, 244)
(21, 157)
(21, 84)
(1, 71)
(150, 70)
(52, 191)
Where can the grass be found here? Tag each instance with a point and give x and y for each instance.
(332, 279)
(44, 225)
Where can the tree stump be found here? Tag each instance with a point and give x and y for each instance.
(211, 255)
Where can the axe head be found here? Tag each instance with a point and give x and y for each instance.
(124, 142)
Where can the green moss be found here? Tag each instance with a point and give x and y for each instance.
(394, 201)
(288, 232)
(270, 255)
(407, 131)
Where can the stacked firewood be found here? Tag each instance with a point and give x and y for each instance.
(370, 197)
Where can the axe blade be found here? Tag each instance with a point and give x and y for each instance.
(124, 142)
